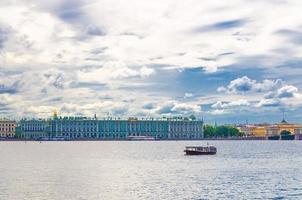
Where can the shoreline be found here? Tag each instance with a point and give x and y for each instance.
(98, 139)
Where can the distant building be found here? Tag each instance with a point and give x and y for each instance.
(113, 129)
(258, 130)
(185, 129)
(157, 128)
(110, 128)
(269, 130)
(276, 129)
(298, 136)
(82, 127)
(34, 128)
(7, 128)
(74, 127)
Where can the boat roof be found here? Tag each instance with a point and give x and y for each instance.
(198, 146)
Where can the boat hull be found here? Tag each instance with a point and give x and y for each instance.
(188, 152)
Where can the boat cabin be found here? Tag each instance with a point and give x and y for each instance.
(198, 150)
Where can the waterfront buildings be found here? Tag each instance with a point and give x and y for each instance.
(253, 130)
(74, 127)
(111, 128)
(119, 129)
(298, 136)
(182, 129)
(276, 129)
(33, 128)
(7, 128)
(270, 130)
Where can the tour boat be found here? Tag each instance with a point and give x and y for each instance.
(198, 150)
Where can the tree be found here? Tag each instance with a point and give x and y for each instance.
(285, 133)
(233, 131)
(209, 131)
(221, 131)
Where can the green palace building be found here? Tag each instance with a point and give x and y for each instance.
(112, 128)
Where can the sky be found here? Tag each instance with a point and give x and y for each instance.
(232, 61)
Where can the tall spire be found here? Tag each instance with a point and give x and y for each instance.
(283, 118)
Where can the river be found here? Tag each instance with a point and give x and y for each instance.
(150, 170)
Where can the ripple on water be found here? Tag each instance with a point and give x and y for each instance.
(150, 170)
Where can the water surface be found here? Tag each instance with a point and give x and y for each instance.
(150, 170)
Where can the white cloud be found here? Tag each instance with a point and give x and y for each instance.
(218, 112)
(285, 91)
(5, 99)
(269, 103)
(111, 71)
(140, 31)
(245, 84)
(173, 107)
(272, 94)
(62, 52)
(188, 95)
(236, 103)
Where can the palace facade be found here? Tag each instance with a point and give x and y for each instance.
(33, 128)
(111, 128)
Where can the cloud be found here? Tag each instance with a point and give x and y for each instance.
(5, 99)
(166, 109)
(222, 25)
(173, 107)
(188, 95)
(54, 78)
(262, 95)
(217, 112)
(269, 103)
(293, 36)
(7, 105)
(9, 82)
(78, 52)
(149, 106)
(286, 91)
(72, 27)
(44, 82)
(245, 84)
(102, 108)
(236, 103)
(93, 30)
(4, 33)
(111, 71)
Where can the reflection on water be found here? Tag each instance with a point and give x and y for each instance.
(150, 170)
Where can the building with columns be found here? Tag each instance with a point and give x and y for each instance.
(271, 130)
(74, 127)
(33, 128)
(276, 129)
(7, 128)
(112, 128)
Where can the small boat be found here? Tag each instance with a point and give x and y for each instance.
(198, 150)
